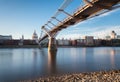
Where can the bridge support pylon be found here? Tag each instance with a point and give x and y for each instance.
(52, 46)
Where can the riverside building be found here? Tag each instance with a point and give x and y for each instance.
(3, 37)
(35, 37)
(113, 35)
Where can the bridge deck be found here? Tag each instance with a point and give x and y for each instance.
(83, 13)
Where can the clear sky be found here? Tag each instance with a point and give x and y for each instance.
(22, 17)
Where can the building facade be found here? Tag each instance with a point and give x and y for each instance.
(2, 37)
(89, 40)
(113, 35)
(35, 37)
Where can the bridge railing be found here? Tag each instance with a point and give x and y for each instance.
(67, 18)
(81, 8)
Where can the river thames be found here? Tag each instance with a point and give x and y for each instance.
(30, 63)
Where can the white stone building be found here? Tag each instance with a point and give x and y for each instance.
(63, 42)
(118, 36)
(2, 37)
(89, 40)
(113, 35)
(35, 36)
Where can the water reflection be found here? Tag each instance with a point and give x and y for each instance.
(52, 61)
(35, 58)
(112, 58)
(105, 58)
(6, 57)
(90, 64)
(73, 53)
(42, 52)
(23, 63)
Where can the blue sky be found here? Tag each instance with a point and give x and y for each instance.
(22, 17)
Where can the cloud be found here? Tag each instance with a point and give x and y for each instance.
(108, 12)
(70, 36)
(99, 32)
(106, 32)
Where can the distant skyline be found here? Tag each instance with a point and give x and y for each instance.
(22, 17)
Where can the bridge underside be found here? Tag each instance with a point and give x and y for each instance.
(84, 13)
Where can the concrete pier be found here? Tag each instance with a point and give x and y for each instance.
(52, 44)
(52, 41)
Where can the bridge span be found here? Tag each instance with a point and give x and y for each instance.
(90, 9)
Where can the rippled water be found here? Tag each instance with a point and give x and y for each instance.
(30, 63)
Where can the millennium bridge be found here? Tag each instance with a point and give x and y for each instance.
(89, 10)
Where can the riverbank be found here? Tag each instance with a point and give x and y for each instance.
(37, 46)
(103, 76)
(17, 46)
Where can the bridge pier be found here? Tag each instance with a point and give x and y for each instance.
(52, 44)
(52, 41)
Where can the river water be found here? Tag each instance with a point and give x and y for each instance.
(30, 63)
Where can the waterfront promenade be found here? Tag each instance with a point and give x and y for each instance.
(103, 76)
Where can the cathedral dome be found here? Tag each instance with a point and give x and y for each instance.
(34, 36)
